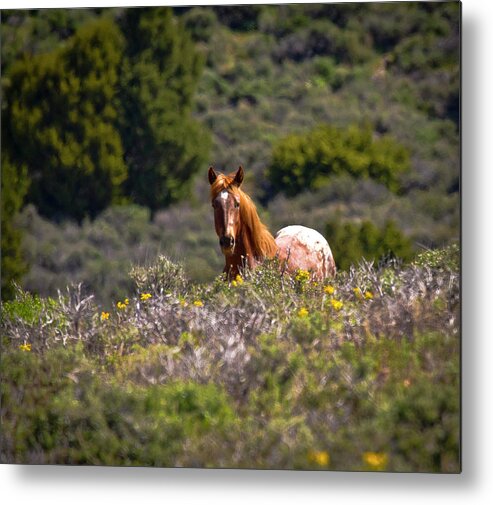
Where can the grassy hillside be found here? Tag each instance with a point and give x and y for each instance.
(269, 371)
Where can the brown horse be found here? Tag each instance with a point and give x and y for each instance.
(246, 241)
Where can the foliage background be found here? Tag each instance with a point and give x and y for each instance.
(373, 78)
(315, 67)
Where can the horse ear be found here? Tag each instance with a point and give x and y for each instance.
(212, 175)
(239, 176)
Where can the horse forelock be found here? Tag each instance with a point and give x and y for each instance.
(223, 182)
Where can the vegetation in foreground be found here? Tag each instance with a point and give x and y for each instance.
(269, 371)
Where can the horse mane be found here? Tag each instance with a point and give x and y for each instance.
(257, 239)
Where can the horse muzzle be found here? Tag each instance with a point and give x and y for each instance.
(227, 243)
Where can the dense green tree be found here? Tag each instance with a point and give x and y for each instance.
(201, 22)
(241, 18)
(164, 146)
(59, 121)
(14, 188)
(307, 161)
(30, 32)
(351, 242)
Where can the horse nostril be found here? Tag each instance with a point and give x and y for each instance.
(227, 242)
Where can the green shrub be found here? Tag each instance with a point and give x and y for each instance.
(322, 37)
(306, 162)
(27, 307)
(162, 277)
(443, 259)
(73, 417)
(353, 242)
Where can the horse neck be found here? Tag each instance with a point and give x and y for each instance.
(254, 242)
(242, 257)
(245, 245)
(256, 239)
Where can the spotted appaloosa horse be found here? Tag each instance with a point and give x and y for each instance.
(246, 241)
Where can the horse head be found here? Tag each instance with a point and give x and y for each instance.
(226, 204)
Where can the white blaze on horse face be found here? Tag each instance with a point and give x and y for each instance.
(226, 219)
(230, 217)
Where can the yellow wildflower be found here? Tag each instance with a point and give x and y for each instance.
(121, 305)
(302, 275)
(376, 460)
(329, 290)
(357, 292)
(368, 295)
(145, 296)
(239, 279)
(321, 458)
(303, 312)
(105, 316)
(25, 347)
(336, 304)
(183, 303)
(198, 303)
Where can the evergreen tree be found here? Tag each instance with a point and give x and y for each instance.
(14, 187)
(30, 32)
(164, 146)
(59, 121)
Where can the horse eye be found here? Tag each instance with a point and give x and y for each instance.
(237, 204)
